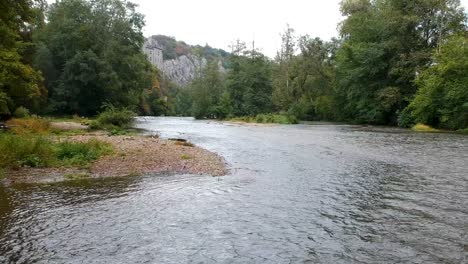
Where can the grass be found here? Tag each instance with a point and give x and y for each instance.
(25, 150)
(2, 174)
(40, 152)
(268, 118)
(31, 125)
(424, 128)
(70, 132)
(185, 157)
(81, 153)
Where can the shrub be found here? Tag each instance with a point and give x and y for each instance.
(423, 128)
(21, 112)
(463, 131)
(113, 118)
(282, 118)
(31, 125)
(81, 153)
(19, 150)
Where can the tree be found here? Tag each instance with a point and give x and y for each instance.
(385, 44)
(249, 83)
(283, 96)
(206, 91)
(94, 50)
(442, 97)
(20, 84)
(312, 80)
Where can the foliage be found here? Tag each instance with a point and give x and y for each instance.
(442, 98)
(185, 157)
(267, 118)
(206, 91)
(423, 128)
(304, 83)
(112, 118)
(36, 151)
(173, 49)
(21, 112)
(33, 125)
(20, 84)
(248, 82)
(25, 150)
(93, 50)
(81, 153)
(385, 44)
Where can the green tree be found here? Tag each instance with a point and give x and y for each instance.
(385, 44)
(206, 91)
(442, 97)
(20, 84)
(249, 82)
(94, 54)
(283, 94)
(312, 80)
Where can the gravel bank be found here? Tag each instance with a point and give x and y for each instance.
(133, 155)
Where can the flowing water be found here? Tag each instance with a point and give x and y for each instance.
(295, 194)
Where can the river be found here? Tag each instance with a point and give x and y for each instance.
(318, 193)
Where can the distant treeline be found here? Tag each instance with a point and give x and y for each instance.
(395, 62)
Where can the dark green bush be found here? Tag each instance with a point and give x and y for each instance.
(113, 118)
(21, 112)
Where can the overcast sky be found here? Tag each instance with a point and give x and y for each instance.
(220, 22)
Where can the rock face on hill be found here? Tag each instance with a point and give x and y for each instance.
(183, 69)
(179, 61)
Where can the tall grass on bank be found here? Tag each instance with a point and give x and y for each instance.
(37, 151)
(25, 150)
(81, 153)
(31, 125)
(424, 128)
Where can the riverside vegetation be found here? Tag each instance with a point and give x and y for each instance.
(42, 150)
(395, 62)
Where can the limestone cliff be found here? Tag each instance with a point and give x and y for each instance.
(179, 62)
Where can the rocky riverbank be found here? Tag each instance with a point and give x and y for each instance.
(132, 155)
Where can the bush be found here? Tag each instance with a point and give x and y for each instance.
(18, 150)
(405, 118)
(32, 125)
(113, 118)
(281, 118)
(423, 128)
(81, 153)
(21, 112)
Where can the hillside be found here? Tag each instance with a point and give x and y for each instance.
(180, 60)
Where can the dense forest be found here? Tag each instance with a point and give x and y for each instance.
(395, 62)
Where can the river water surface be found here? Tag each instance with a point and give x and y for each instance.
(295, 194)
